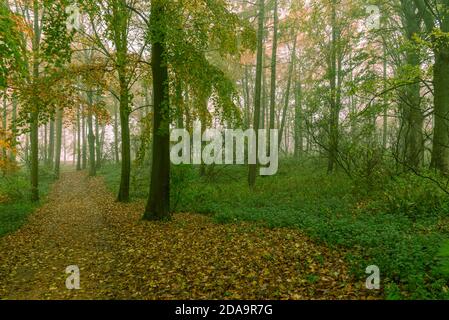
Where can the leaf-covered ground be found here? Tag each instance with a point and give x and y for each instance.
(122, 257)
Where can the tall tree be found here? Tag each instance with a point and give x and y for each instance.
(4, 120)
(34, 114)
(258, 86)
(287, 92)
(98, 145)
(111, 22)
(83, 139)
(120, 20)
(158, 206)
(334, 74)
(299, 137)
(78, 140)
(14, 126)
(412, 114)
(437, 24)
(274, 66)
(51, 145)
(116, 133)
(91, 134)
(58, 144)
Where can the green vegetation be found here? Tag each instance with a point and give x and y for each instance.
(15, 199)
(402, 227)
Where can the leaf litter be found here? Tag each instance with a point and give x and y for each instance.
(122, 257)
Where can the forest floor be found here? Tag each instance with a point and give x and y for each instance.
(122, 257)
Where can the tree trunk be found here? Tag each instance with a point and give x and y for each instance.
(120, 37)
(252, 174)
(97, 143)
(247, 98)
(411, 112)
(64, 149)
(116, 143)
(385, 100)
(299, 144)
(334, 99)
(287, 93)
(34, 114)
(44, 137)
(102, 139)
(14, 126)
(74, 145)
(4, 122)
(123, 195)
(91, 136)
(58, 145)
(274, 67)
(264, 99)
(158, 206)
(84, 147)
(203, 118)
(440, 152)
(51, 145)
(27, 150)
(179, 103)
(79, 156)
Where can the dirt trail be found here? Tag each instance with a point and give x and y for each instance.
(69, 229)
(121, 257)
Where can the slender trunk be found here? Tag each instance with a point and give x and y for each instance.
(84, 146)
(264, 99)
(103, 134)
(64, 149)
(27, 150)
(120, 37)
(179, 103)
(287, 93)
(34, 156)
(51, 145)
(44, 138)
(97, 143)
(58, 144)
(116, 140)
(274, 67)
(14, 126)
(4, 122)
(353, 102)
(158, 206)
(74, 146)
(91, 136)
(299, 144)
(385, 101)
(334, 100)
(34, 114)
(287, 136)
(187, 110)
(203, 119)
(247, 99)
(252, 174)
(79, 156)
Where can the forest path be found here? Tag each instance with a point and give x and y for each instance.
(122, 257)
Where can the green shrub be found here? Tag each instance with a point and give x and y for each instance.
(16, 187)
(413, 197)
